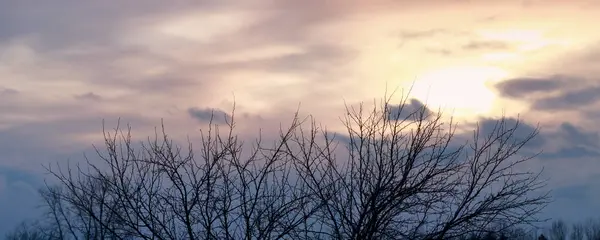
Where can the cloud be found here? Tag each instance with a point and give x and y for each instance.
(569, 158)
(429, 39)
(416, 34)
(578, 136)
(209, 114)
(88, 96)
(66, 22)
(569, 100)
(489, 126)
(570, 143)
(522, 130)
(468, 48)
(318, 57)
(567, 141)
(8, 92)
(524, 87)
(570, 153)
(409, 111)
(164, 69)
(135, 69)
(486, 45)
(557, 92)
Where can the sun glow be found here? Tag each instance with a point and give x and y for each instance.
(465, 91)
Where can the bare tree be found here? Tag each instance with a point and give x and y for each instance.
(592, 229)
(24, 231)
(402, 175)
(558, 231)
(405, 179)
(577, 231)
(32, 230)
(164, 192)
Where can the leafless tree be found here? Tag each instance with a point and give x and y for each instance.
(164, 192)
(592, 229)
(577, 231)
(558, 231)
(25, 231)
(514, 233)
(405, 179)
(402, 175)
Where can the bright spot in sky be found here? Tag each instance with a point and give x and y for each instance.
(212, 25)
(464, 91)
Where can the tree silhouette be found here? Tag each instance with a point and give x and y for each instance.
(558, 231)
(542, 237)
(577, 231)
(399, 177)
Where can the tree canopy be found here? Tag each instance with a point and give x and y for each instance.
(396, 173)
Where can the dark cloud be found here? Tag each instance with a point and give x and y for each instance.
(208, 114)
(523, 87)
(574, 142)
(575, 88)
(569, 100)
(569, 153)
(88, 96)
(8, 92)
(522, 130)
(578, 136)
(460, 142)
(571, 92)
(408, 111)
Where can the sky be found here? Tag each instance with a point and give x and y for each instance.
(67, 65)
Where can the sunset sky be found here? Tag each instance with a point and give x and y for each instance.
(67, 64)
